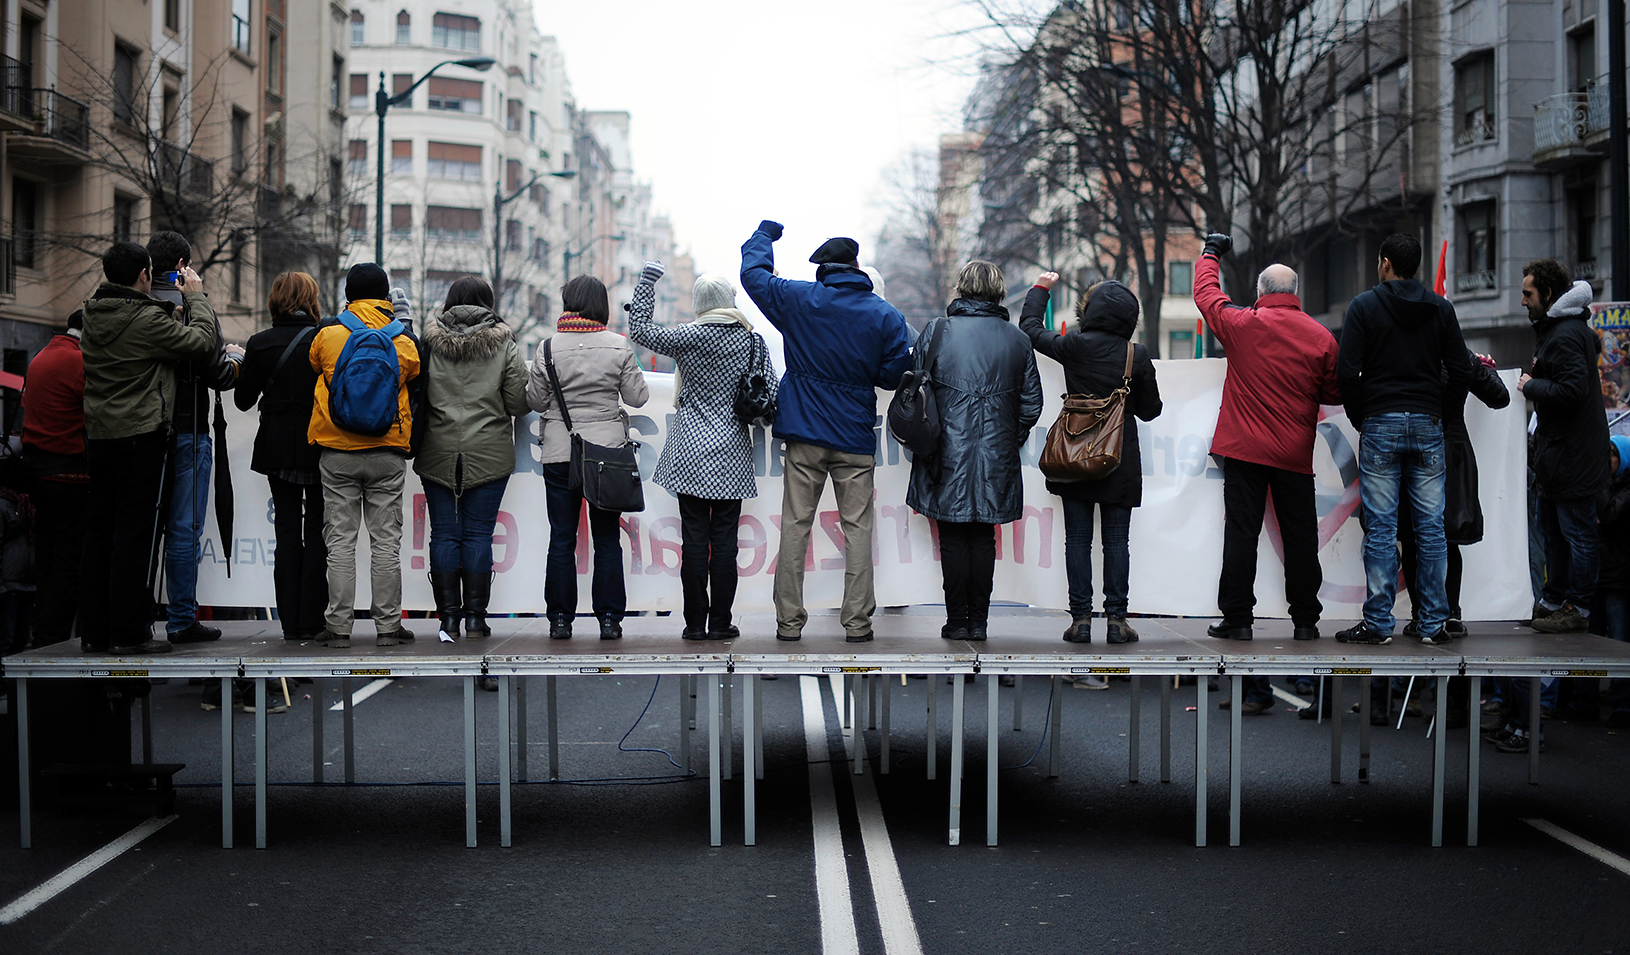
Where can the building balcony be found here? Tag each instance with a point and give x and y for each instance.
(178, 170)
(1562, 128)
(1481, 280)
(59, 126)
(16, 111)
(8, 267)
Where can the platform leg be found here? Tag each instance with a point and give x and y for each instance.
(749, 769)
(687, 722)
(956, 759)
(551, 703)
(932, 744)
(1403, 708)
(25, 807)
(1440, 755)
(758, 728)
(1473, 758)
(993, 685)
(1335, 728)
(1364, 705)
(521, 772)
(260, 762)
(728, 742)
(1133, 724)
(1534, 730)
(846, 705)
(317, 710)
(1201, 765)
(349, 725)
(228, 761)
(504, 831)
(716, 824)
(1166, 729)
(883, 762)
(1056, 715)
(469, 762)
(871, 700)
(1018, 703)
(1235, 769)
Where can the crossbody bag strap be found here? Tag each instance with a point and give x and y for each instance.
(283, 359)
(554, 382)
(1126, 376)
(933, 345)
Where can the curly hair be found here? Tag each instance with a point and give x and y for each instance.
(1551, 278)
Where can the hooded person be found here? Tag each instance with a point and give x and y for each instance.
(1611, 617)
(707, 461)
(363, 475)
(54, 453)
(1094, 361)
(1401, 349)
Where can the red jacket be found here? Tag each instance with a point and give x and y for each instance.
(1281, 367)
(54, 398)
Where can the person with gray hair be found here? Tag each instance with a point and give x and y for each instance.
(707, 459)
(1281, 367)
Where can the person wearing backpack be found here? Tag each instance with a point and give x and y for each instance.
(362, 419)
(707, 459)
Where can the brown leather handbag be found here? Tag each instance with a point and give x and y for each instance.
(1084, 444)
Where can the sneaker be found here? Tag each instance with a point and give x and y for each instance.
(1454, 627)
(1413, 629)
(1305, 688)
(1089, 681)
(1517, 743)
(1362, 632)
(1437, 639)
(1566, 620)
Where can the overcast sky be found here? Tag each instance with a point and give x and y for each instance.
(751, 110)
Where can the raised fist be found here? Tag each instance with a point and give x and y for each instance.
(652, 272)
(770, 228)
(1218, 244)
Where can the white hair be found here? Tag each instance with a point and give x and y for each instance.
(1267, 285)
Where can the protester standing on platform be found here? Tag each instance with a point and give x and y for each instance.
(1401, 348)
(707, 459)
(1569, 466)
(130, 345)
(192, 453)
(277, 374)
(54, 455)
(1094, 360)
(1281, 368)
(598, 375)
(1611, 616)
(988, 393)
(475, 387)
(363, 474)
(841, 342)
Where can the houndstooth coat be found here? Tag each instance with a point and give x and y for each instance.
(708, 453)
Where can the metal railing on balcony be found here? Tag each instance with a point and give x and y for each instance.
(183, 171)
(16, 85)
(1561, 121)
(1478, 281)
(8, 267)
(62, 117)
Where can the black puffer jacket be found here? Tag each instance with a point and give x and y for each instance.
(1094, 357)
(1614, 513)
(989, 396)
(281, 443)
(1566, 389)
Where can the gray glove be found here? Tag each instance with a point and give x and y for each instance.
(652, 272)
(401, 305)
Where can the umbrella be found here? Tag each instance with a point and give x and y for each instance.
(223, 485)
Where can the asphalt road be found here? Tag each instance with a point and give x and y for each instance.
(1087, 861)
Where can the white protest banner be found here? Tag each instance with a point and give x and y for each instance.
(1176, 541)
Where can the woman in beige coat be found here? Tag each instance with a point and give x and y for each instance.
(598, 375)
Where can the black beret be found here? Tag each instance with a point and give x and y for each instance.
(838, 250)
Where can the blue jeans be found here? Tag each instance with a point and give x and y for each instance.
(1572, 552)
(1117, 522)
(190, 466)
(608, 592)
(1399, 453)
(461, 527)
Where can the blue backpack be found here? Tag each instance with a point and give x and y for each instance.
(362, 394)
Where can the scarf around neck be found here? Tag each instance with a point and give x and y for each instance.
(573, 322)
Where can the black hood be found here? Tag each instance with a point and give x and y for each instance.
(1407, 301)
(974, 307)
(1113, 309)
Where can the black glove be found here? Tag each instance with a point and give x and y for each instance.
(1218, 244)
(770, 228)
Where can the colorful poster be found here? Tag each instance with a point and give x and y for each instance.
(1612, 322)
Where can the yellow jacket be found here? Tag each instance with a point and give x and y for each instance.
(325, 352)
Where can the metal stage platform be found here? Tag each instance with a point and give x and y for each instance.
(1023, 643)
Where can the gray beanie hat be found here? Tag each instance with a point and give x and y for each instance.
(712, 291)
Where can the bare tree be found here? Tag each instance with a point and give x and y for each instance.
(911, 249)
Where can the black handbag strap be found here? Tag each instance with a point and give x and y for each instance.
(283, 359)
(554, 382)
(932, 350)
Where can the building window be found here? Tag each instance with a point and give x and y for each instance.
(454, 161)
(336, 185)
(458, 96)
(358, 28)
(512, 175)
(1474, 99)
(532, 128)
(1582, 216)
(402, 157)
(334, 98)
(512, 234)
(238, 243)
(359, 91)
(1477, 239)
(436, 284)
(532, 70)
(1582, 58)
(452, 223)
(401, 83)
(358, 221)
(273, 67)
(172, 15)
(25, 220)
(273, 176)
(401, 221)
(453, 32)
(124, 218)
(404, 29)
(240, 141)
(124, 84)
(1180, 278)
(540, 251)
(514, 107)
(240, 26)
(359, 158)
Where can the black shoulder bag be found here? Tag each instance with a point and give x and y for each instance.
(914, 414)
(755, 389)
(609, 478)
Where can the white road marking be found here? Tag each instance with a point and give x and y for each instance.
(836, 907)
(1589, 848)
(362, 694)
(63, 880)
(1292, 698)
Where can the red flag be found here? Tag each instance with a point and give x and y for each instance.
(1443, 269)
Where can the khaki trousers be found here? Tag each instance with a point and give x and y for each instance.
(358, 487)
(805, 470)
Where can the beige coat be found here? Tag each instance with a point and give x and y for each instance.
(598, 374)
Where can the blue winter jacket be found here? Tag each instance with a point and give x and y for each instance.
(841, 343)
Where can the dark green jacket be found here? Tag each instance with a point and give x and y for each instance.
(475, 386)
(130, 344)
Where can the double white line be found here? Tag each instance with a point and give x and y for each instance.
(837, 912)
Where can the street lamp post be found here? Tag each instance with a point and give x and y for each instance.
(584, 248)
(499, 201)
(384, 101)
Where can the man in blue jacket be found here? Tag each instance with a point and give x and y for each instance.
(841, 344)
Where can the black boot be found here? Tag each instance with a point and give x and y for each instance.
(444, 586)
(477, 591)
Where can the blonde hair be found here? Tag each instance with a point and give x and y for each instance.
(982, 281)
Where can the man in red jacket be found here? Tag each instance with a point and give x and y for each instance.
(1281, 367)
(54, 450)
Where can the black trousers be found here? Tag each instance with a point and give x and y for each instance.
(125, 501)
(968, 563)
(1246, 486)
(1451, 578)
(301, 572)
(707, 560)
(59, 546)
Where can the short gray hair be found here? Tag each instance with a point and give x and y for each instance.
(1273, 280)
